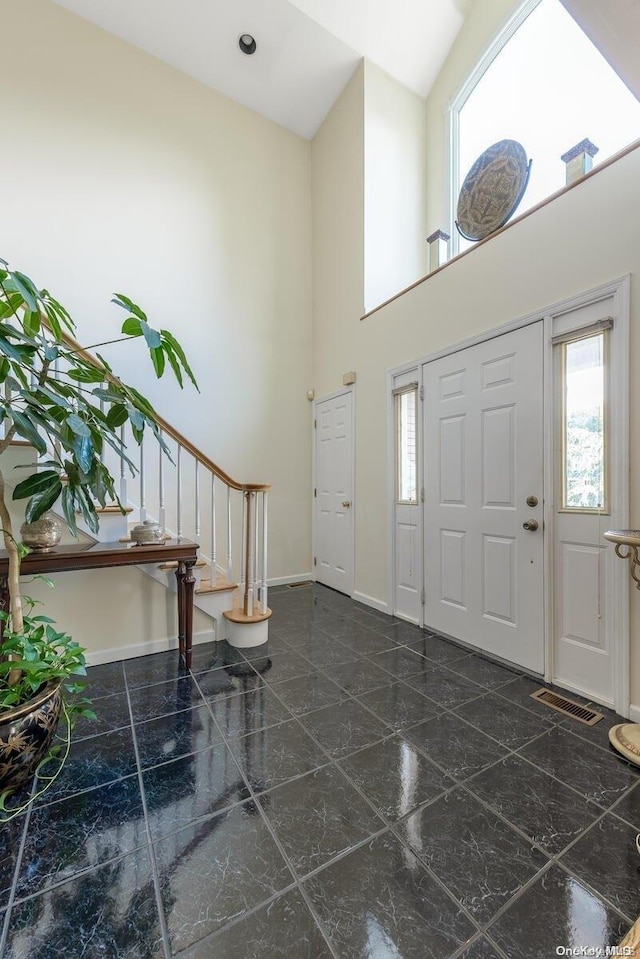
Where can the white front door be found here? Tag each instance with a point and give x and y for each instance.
(334, 492)
(483, 455)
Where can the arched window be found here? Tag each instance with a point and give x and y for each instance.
(545, 84)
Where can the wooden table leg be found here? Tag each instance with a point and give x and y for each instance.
(188, 586)
(181, 572)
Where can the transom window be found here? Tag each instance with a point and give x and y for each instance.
(545, 84)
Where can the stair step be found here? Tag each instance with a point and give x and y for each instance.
(115, 509)
(173, 565)
(237, 616)
(220, 586)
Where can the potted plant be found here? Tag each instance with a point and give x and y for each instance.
(69, 407)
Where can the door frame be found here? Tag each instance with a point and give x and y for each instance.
(619, 288)
(352, 451)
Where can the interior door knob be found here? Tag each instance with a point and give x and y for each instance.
(346, 503)
(530, 525)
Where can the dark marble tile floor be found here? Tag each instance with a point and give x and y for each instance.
(359, 789)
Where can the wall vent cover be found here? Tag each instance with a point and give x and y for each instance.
(567, 706)
(298, 585)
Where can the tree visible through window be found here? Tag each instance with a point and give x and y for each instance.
(548, 87)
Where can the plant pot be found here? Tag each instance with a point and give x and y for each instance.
(25, 736)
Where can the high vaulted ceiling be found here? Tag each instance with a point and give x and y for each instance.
(307, 49)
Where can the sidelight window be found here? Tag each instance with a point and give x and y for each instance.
(584, 460)
(406, 402)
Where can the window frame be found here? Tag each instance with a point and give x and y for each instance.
(604, 509)
(457, 103)
(397, 401)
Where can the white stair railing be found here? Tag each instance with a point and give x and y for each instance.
(236, 520)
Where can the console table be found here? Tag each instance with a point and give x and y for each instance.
(80, 556)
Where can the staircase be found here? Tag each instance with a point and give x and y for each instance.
(193, 499)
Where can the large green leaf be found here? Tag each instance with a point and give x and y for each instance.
(40, 503)
(157, 358)
(132, 327)
(86, 374)
(37, 483)
(27, 430)
(77, 425)
(117, 416)
(174, 346)
(151, 336)
(83, 450)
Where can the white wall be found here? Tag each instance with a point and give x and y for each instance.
(395, 162)
(120, 173)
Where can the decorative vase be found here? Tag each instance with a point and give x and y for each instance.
(43, 534)
(147, 532)
(25, 736)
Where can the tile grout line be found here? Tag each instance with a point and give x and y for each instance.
(14, 880)
(276, 840)
(164, 929)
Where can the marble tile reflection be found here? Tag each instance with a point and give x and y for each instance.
(359, 676)
(444, 687)
(215, 870)
(189, 788)
(395, 777)
(607, 858)
(557, 911)
(110, 913)
(176, 735)
(281, 930)
(279, 667)
(10, 837)
(459, 748)
(550, 813)
(273, 756)
(104, 680)
(399, 705)
(483, 671)
(241, 715)
(598, 775)
(317, 817)
(112, 712)
(161, 699)
(156, 668)
(380, 902)
(481, 949)
(480, 859)
(512, 726)
(309, 692)
(81, 832)
(402, 662)
(92, 762)
(343, 728)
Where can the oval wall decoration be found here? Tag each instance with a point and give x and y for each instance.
(492, 189)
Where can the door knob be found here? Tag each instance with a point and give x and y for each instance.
(346, 503)
(530, 525)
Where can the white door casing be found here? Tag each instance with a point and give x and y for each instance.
(483, 457)
(333, 499)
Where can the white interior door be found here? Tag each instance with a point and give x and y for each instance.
(334, 492)
(483, 454)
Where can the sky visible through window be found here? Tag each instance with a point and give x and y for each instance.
(548, 88)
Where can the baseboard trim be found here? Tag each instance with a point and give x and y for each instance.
(634, 714)
(285, 580)
(370, 601)
(101, 656)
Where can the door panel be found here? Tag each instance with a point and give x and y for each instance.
(334, 477)
(483, 441)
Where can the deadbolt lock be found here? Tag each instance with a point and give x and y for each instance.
(532, 500)
(346, 504)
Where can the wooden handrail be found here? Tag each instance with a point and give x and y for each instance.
(167, 427)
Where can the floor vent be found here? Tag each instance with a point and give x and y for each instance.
(298, 585)
(567, 706)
